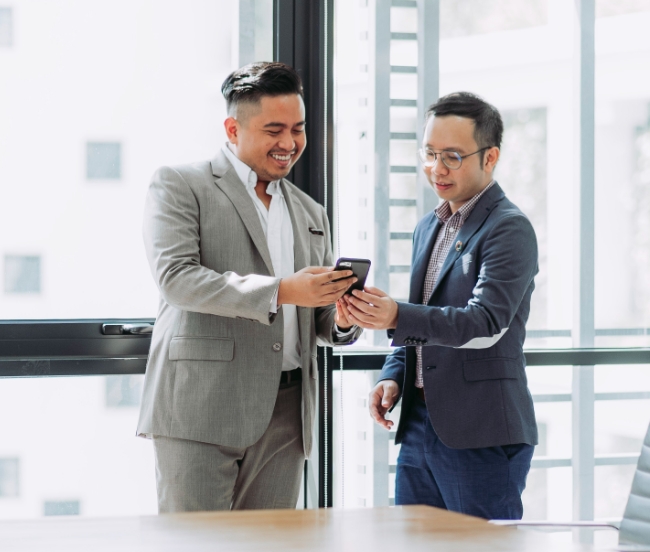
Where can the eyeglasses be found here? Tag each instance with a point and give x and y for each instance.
(450, 159)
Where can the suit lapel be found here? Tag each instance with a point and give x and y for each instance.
(472, 225)
(421, 262)
(300, 228)
(228, 182)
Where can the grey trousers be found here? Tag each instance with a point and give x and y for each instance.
(193, 476)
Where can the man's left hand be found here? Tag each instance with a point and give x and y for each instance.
(372, 309)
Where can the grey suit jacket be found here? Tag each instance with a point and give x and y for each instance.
(215, 360)
(472, 330)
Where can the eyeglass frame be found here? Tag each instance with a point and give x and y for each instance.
(439, 154)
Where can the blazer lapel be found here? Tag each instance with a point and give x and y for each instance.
(472, 225)
(300, 227)
(227, 180)
(421, 262)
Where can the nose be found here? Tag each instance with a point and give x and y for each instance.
(286, 142)
(438, 166)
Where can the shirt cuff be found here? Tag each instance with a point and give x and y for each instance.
(344, 333)
(273, 309)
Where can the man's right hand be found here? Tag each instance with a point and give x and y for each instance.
(382, 398)
(313, 286)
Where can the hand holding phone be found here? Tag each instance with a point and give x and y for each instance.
(360, 267)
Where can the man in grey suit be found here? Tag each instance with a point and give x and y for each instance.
(242, 259)
(467, 425)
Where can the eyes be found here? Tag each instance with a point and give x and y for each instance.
(295, 131)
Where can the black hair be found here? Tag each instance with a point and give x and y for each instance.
(261, 78)
(488, 125)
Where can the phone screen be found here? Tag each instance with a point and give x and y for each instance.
(360, 267)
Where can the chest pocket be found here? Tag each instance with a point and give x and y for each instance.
(317, 249)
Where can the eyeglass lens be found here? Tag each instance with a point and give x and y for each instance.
(451, 159)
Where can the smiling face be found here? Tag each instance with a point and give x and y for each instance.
(269, 136)
(453, 133)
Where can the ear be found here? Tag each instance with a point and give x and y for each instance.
(491, 158)
(232, 129)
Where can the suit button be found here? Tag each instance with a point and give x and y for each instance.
(277, 346)
(431, 367)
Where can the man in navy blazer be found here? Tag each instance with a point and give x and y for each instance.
(467, 426)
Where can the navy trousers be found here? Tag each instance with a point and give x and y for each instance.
(483, 482)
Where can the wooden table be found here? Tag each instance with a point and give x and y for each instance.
(407, 528)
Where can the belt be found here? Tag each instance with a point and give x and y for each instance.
(419, 393)
(290, 375)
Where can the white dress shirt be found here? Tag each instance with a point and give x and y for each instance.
(276, 223)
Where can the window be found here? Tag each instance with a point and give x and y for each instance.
(9, 477)
(103, 161)
(61, 508)
(109, 114)
(622, 174)
(410, 56)
(123, 390)
(6, 27)
(22, 274)
(71, 247)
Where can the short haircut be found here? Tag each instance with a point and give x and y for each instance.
(488, 125)
(255, 80)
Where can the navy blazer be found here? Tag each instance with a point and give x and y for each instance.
(472, 329)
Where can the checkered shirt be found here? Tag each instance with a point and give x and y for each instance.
(451, 225)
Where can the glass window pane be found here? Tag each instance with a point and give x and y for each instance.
(365, 454)
(123, 391)
(61, 508)
(6, 27)
(548, 494)
(22, 274)
(77, 453)
(609, 8)
(612, 489)
(103, 160)
(95, 97)
(9, 477)
(622, 144)
(471, 17)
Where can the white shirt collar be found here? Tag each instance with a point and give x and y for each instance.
(246, 174)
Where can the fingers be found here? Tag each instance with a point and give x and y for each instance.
(338, 274)
(337, 289)
(319, 269)
(342, 315)
(367, 297)
(365, 308)
(388, 399)
(360, 317)
(377, 410)
(375, 291)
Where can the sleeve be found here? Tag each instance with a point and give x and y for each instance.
(172, 242)
(507, 269)
(394, 367)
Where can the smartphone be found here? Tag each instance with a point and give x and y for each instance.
(360, 268)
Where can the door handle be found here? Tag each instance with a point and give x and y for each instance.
(127, 329)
